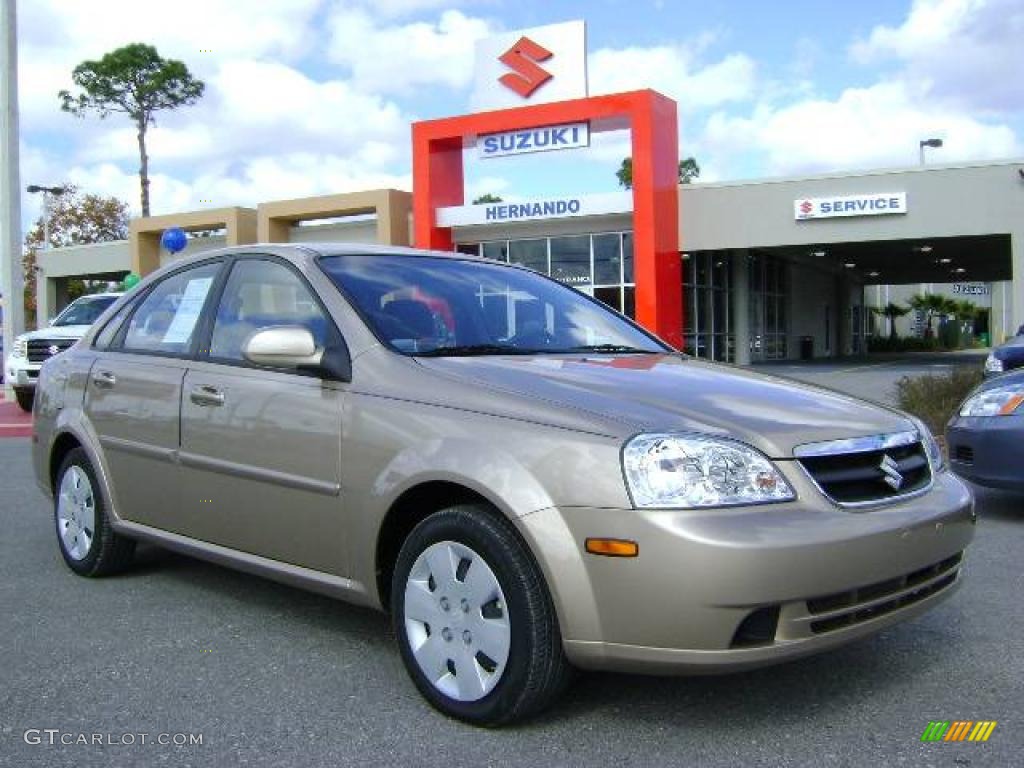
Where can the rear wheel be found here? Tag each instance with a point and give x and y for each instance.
(25, 398)
(87, 542)
(474, 620)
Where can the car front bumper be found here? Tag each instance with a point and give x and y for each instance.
(986, 450)
(727, 589)
(20, 373)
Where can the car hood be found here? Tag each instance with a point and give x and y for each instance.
(57, 332)
(1014, 347)
(672, 393)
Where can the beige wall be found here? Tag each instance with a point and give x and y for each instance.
(391, 208)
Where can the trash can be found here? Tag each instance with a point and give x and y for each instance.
(806, 347)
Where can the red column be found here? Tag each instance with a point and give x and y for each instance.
(659, 295)
(437, 179)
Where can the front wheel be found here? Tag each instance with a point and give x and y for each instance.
(475, 624)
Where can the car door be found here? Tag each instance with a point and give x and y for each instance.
(261, 447)
(133, 395)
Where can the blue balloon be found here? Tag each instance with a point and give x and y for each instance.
(174, 239)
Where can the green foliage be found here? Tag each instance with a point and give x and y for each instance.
(934, 398)
(902, 344)
(136, 81)
(688, 171)
(487, 198)
(75, 219)
(892, 312)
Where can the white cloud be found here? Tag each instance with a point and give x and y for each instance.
(964, 52)
(878, 126)
(673, 71)
(400, 58)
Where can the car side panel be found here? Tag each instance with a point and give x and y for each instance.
(261, 472)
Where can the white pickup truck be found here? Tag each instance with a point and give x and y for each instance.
(34, 348)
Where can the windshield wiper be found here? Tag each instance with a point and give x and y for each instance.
(469, 350)
(611, 348)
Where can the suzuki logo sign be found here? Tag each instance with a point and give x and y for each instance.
(527, 76)
(508, 69)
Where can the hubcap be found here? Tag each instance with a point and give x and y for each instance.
(456, 621)
(76, 513)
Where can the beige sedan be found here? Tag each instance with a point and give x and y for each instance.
(526, 480)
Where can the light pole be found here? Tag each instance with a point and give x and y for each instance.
(933, 143)
(47, 191)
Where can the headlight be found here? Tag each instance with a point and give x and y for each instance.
(690, 471)
(20, 347)
(999, 401)
(931, 446)
(993, 364)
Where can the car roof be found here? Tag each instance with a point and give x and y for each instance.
(300, 251)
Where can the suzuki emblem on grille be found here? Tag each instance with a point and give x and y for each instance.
(891, 470)
(53, 349)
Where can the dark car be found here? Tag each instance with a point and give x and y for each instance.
(986, 434)
(1006, 357)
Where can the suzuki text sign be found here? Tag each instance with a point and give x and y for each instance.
(850, 205)
(530, 66)
(572, 136)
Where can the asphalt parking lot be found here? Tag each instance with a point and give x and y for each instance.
(270, 675)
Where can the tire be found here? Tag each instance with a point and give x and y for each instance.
(25, 398)
(86, 540)
(468, 599)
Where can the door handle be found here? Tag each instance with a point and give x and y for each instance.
(104, 379)
(206, 395)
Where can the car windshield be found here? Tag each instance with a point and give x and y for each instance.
(436, 306)
(84, 311)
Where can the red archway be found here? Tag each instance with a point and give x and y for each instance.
(651, 118)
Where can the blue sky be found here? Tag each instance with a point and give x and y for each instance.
(315, 96)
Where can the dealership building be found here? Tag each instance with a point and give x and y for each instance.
(757, 273)
(738, 271)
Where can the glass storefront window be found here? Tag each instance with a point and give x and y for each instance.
(607, 259)
(570, 260)
(600, 265)
(610, 296)
(627, 257)
(529, 253)
(498, 250)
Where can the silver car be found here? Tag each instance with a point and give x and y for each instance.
(526, 480)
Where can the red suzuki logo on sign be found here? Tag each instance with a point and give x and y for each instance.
(527, 76)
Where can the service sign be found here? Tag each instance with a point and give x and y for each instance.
(877, 204)
(533, 210)
(530, 66)
(572, 136)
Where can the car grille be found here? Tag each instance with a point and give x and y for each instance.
(859, 478)
(39, 350)
(844, 609)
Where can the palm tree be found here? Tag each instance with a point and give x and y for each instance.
(892, 312)
(931, 304)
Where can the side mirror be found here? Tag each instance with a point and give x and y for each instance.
(293, 346)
